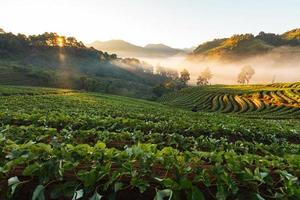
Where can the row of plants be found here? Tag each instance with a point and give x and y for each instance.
(121, 139)
(96, 170)
(77, 145)
(271, 101)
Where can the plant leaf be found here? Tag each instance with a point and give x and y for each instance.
(38, 193)
(96, 196)
(13, 182)
(78, 194)
(195, 194)
(161, 194)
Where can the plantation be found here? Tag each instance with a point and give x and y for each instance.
(64, 144)
(277, 101)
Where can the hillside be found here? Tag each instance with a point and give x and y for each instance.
(68, 144)
(248, 45)
(125, 49)
(276, 101)
(57, 61)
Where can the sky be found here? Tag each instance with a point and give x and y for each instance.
(177, 23)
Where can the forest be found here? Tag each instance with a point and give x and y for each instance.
(58, 61)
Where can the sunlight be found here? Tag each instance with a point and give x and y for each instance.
(60, 41)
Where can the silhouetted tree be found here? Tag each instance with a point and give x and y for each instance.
(204, 77)
(245, 75)
(201, 80)
(161, 71)
(184, 76)
(270, 38)
(92, 85)
(83, 82)
(107, 85)
(172, 73)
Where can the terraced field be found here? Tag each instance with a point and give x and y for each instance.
(279, 101)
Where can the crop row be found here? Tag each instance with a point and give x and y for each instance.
(280, 103)
(85, 145)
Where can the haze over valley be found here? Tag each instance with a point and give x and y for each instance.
(149, 100)
(275, 57)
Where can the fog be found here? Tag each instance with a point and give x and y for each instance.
(280, 65)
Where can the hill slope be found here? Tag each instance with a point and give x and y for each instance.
(58, 61)
(280, 101)
(125, 49)
(247, 45)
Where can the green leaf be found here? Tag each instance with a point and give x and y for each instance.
(13, 182)
(88, 178)
(161, 194)
(259, 197)
(118, 186)
(139, 183)
(63, 190)
(100, 145)
(96, 196)
(185, 183)
(30, 169)
(38, 193)
(263, 174)
(195, 194)
(168, 183)
(78, 194)
(289, 176)
(221, 193)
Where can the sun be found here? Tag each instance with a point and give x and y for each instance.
(60, 41)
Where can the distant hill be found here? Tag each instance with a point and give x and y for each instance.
(189, 49)
(126, 49)
(58, 61)
(247, 45)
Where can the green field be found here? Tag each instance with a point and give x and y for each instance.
(64, 144)
(274, 101)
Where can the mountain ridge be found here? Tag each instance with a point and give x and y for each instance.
(246, 45)
(126, 49)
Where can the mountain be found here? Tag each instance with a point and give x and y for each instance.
(190, 49)
(157, 46)
(247, 45)
(116, 46)
(292, 35)
(126, 49)
(52, 60)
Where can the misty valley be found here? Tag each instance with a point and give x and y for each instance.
(108, 119)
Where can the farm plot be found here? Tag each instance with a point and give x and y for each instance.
(280, 101)
(79, 145)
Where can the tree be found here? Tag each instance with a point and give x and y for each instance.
(92, 85)
(245, 75)
(83, 82)
(270, 38)
(204, 77)
(172, 74)
(161, 71)
(160, 89)
(201, 80)
(1, 31)
(184, 76)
